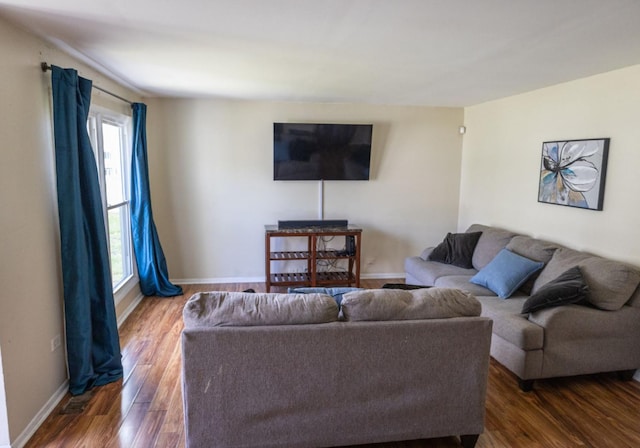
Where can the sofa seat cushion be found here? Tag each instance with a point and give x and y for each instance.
(396, 304)
(429, 271)
(510, 324)
(462, 282)
(222, 308)
(492, 241)
(583, 323)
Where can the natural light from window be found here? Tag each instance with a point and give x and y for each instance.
(109, 137)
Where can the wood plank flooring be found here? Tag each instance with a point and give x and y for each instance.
(145, 408)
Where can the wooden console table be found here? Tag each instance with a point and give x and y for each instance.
(313, 277)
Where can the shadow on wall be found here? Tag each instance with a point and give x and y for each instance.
(378, 147)
(379, 248)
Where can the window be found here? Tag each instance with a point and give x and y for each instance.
(109, 133)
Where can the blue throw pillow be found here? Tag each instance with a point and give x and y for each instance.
(506, 272)
(336, 293)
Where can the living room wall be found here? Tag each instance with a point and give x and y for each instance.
(31, 312)
(502, 155)
(211, 169)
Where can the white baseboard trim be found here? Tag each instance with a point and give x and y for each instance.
(40, 417)
(215, 280)
(50, 405)
(382, 276)
(132, 306)
(201, 281)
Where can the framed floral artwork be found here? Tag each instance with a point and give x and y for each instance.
(573, 173)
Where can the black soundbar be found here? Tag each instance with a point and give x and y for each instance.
(307, 223)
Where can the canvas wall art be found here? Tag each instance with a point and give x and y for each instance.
(573, 172)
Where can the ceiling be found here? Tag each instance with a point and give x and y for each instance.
(410, 52)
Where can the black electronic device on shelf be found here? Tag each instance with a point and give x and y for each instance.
(350, 245)
(313, 223)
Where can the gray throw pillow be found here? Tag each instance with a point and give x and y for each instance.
(568, 288)
(456, 249)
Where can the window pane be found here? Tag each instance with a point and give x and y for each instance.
(117, 234)
(108, 133)
(112, 163)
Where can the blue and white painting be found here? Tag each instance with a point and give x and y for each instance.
(572, 173)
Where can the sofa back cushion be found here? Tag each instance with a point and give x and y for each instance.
(396, 304)
(222, 308)
(611, 283)
(635, 298)
(492, 241)
(562, 260)
(533, 249)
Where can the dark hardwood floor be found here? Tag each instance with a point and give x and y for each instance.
(145, 408)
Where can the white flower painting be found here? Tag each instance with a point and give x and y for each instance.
(573, 172)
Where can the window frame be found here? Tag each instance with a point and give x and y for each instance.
(97, 116)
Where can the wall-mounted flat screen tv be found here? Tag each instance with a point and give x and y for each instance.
(304, 151)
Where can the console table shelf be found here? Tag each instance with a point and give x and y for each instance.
(302, 278)
(304, 255)
(313, 277)
(297, 255)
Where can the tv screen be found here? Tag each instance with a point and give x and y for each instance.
(303, 151)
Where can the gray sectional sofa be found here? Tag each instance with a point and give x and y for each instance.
(280, 370)
(599, 334)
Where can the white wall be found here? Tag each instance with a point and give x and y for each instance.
(502, 153)
(30, 273)
(211, 169)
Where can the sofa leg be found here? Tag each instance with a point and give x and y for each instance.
(525, 385)
(469, 441)
(626, 375)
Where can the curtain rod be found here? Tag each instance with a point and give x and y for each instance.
(44, 66)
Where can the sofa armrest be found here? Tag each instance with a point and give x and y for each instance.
(576, 322)
(425, 253)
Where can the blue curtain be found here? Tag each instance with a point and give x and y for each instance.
(93, 348)
(152, 266)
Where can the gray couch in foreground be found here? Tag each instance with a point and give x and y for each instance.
(280, 370)
(601, 335)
